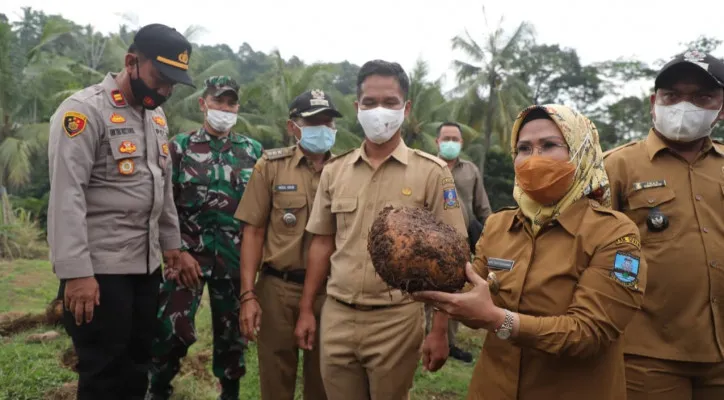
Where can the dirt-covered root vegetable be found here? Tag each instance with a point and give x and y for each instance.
(412, 251)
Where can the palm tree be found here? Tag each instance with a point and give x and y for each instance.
(489, 80)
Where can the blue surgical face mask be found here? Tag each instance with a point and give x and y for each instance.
(317, 139)
(450, 150)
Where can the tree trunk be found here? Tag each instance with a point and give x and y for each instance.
(488, 130)
(6, 212)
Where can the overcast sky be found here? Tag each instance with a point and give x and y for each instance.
(403, 30)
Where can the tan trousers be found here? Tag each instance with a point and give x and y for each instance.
(277, 345)
(654, 379)
(370, 355)
(452, 326)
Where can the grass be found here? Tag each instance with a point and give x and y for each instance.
(31, 371)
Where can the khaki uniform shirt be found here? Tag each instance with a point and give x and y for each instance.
(471, 191)
(351, 195)
(111, 208)
(683, 317)
(283, 182)
(573, 305)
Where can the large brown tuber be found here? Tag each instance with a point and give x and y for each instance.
(412, 251)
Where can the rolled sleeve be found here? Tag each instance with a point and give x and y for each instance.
(70, 161)
(602, 307)
(255, 204)
(321, 220)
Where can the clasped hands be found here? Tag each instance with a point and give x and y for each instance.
(182, 267)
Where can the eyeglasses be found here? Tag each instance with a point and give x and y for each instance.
(526, 150)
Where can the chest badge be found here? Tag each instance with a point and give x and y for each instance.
(159, 120)
(118, 99)
(117, 119)
(657, 221)
(164, 148)
(289, 219)
(407, 191)
(127, 147)
(126, 166)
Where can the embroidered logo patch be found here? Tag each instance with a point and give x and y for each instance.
(127, 147)
(117, 119)
(450, 197)
(629, 239)
(407, 191)
(626, 270)
(118, 99)
(126, 166)
(164, 148)
(159, 120)
(74, 123)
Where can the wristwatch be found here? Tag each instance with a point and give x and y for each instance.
(504, 331)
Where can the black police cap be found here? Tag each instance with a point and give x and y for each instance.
(310, 103)
(168, 49)
(708, 64)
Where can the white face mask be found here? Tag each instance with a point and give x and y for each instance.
(684, 122)
(221, 121)
(380, 123)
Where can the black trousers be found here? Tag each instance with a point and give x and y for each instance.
(114, 349)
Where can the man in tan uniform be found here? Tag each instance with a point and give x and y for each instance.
(474, 201)
(371, 336)
(111, 212)
(671, 184)
(275, 208)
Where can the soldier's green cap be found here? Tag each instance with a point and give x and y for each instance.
(218, 85)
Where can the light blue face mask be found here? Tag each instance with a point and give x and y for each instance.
(317, 139)
(450, 150)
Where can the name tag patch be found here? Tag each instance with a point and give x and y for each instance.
(285, 188)
(500, 263)
(113, 132)
(450, 197)
(649, 184)
(626, 270)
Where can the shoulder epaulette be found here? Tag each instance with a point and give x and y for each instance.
(429, 156)
(276, 154)
(615, 149)
(342, 154)
(505, 208)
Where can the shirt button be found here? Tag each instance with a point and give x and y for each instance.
(374, 179)
(705, 230)
(698, 197)
(713, 264)
(651, 201)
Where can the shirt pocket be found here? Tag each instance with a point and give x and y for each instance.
(126, 156)
(344, 210)
(194, 178)
(642, 202)
(289, 213)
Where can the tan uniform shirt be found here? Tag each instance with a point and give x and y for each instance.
(471, 190)
(111, 208)
(682, 316)
(350, 196)
(283, 182)
(573, 306)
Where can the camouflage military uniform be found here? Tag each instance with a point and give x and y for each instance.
(209, 177)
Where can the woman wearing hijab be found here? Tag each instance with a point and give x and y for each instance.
(564, 272)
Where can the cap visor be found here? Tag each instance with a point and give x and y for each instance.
(321, 110)
(174, 74)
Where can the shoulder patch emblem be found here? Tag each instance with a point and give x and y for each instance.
(127, 147)
(159, 120)
(118, 98)
(74, 123)
(629, 239)
(126, 166)
(450, 198)
(117, 119)
(626, 270)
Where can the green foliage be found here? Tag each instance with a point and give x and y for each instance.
(499, 179)
(22, 237)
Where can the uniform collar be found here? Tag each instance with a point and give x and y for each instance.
(400, 154)
(654, 144)
(200, 136)
(570, 220)
(113, 92)
(299, 156)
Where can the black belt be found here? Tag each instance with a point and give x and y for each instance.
(360, 307)
(294, 276)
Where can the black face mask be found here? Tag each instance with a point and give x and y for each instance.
(149, 98)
